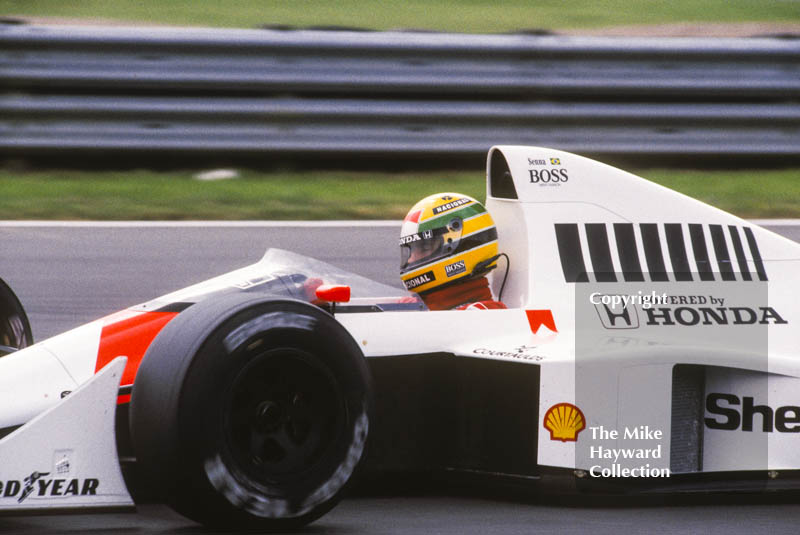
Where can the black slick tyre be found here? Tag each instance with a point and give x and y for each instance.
(251, 412)
(15, 329)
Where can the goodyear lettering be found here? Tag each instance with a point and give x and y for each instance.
(43, 488)
(449, 206)
(727, 417)
(90, 487)
(73, 489)
(11, 488)
(548, 176)
(419, 280)
(455, 268)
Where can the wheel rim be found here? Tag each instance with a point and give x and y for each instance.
(285, 411)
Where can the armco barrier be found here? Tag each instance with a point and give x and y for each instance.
(156, 91)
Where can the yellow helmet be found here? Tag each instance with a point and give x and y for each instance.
(443, 238)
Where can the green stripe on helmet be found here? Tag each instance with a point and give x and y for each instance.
(463, 213)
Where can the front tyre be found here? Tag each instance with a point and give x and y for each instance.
(251, 412)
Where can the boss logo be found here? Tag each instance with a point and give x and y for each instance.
(455, 268)
(548, 176)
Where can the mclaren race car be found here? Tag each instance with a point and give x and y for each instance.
(649, 344)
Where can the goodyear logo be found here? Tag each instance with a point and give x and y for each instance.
(39, 485)
(455, 268)
(419, 280)
(449, 206)
(564, 421)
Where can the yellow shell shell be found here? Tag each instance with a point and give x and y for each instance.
(564, 421)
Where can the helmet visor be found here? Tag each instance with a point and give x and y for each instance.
(424, 247)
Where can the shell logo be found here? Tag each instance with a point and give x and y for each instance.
(564, 421)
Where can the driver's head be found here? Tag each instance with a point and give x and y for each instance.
(442, 239)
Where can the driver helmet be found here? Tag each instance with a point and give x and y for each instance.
(442, 240)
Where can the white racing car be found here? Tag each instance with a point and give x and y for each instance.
(649, 345)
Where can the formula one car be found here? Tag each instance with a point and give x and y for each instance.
(649, 345)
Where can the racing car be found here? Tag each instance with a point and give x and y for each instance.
(648, 345)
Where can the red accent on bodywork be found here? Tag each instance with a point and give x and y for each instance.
(333, 293)
(129, 337)
(537, 318)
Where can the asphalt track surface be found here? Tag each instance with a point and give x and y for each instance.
(67, 275)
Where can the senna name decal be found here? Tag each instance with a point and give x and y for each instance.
(547, 176)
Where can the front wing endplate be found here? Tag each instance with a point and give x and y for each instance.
(66, 457)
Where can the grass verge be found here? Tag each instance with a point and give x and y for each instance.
(481, 16)
(146, 195)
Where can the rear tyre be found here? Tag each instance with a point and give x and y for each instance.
(251, 412)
